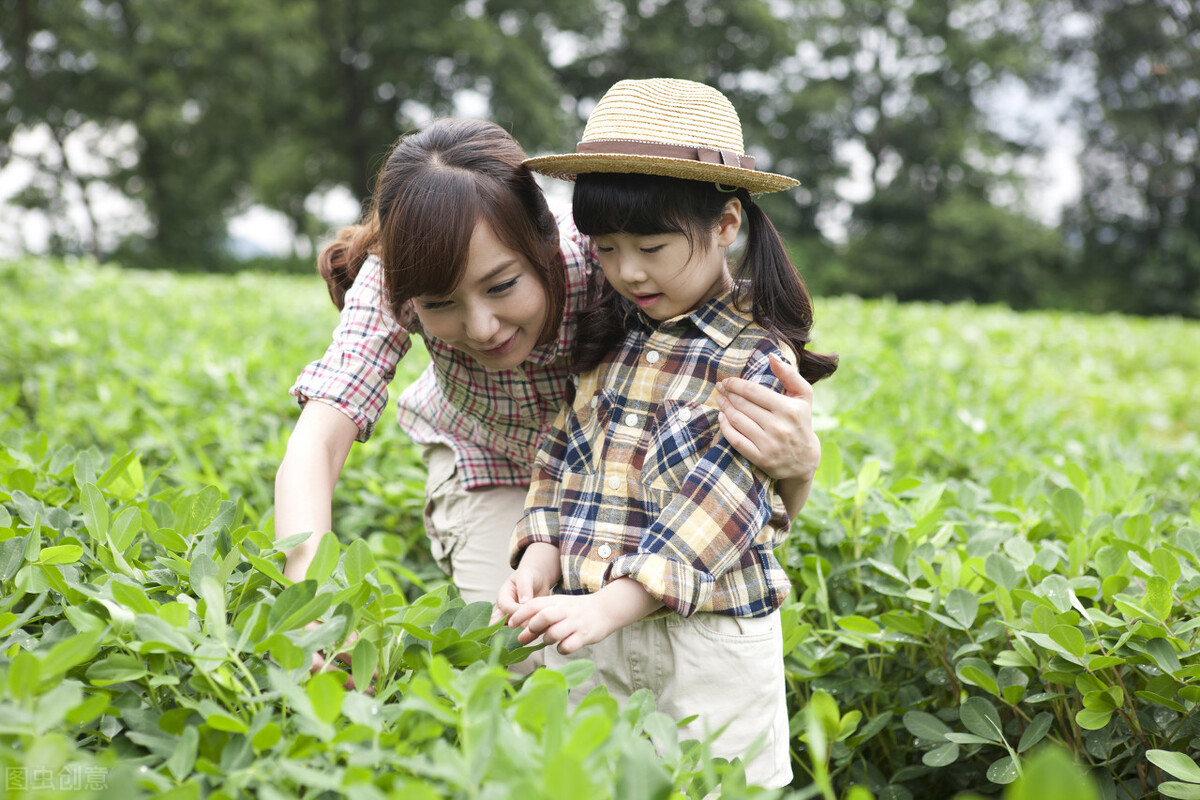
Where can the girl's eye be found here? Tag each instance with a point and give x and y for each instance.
(653, 249)
(503, 287)
(603, 249)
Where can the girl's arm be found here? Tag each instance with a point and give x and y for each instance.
(774, 431)
(316, 453)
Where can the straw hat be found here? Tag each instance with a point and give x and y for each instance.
(664, 126)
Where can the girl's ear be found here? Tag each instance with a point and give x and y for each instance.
(730, 223)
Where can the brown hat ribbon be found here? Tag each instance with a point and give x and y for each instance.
(627, 147)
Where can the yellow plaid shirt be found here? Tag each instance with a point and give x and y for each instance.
(636, 480)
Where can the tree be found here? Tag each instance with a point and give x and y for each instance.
(1138, 220)
(903, 89)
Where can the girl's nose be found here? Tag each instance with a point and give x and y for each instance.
(630, 270)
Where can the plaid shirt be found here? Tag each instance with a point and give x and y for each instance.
(636, 480)
(492, 419)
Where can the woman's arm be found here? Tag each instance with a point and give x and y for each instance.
(774, 431)
(316, 453)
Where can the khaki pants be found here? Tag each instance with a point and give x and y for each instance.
(727, 670)
(469, 531)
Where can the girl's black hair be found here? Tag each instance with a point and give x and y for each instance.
(645, 205)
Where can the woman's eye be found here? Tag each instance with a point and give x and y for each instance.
(503, 287)
(434, 305)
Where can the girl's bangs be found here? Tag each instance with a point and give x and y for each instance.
(607, 203)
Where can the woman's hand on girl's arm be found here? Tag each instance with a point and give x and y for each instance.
(316, 453)
(540, 569)
(774, 431)
(577, 620)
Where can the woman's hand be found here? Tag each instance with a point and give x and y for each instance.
(774, 431)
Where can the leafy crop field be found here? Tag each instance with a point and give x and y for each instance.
(996, 580)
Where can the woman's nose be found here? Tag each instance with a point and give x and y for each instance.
(482, 325)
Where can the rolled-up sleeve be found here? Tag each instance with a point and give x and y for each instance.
(360, 362)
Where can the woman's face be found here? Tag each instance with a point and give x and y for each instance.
(497, 311)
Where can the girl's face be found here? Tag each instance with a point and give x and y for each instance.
(498, 310)
(663, 273)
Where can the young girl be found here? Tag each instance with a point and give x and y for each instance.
(661, 534)
(461, 248)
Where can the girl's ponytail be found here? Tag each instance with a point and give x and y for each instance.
(341, 259)
(778, 297)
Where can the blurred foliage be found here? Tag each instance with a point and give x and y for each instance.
(233, 103)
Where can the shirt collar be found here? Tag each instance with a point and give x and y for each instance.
(719, 319)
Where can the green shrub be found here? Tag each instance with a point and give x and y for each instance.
(995, 579)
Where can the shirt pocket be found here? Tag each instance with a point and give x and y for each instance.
(585, 446)
(679, 437)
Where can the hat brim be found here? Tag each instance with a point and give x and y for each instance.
(566, 167)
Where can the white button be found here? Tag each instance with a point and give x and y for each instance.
(595, 400)
(614, 482)
(604, 551)
(631, 420)
(685, 414)
(652, 356)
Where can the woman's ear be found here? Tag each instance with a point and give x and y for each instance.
(730, 223)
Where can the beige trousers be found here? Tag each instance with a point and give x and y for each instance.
(469, 531)
(727, 670)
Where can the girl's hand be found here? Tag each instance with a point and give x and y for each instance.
(540, 569)
(774, 431)
(575, 621)
(571, 620)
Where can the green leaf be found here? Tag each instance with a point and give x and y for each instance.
(182, 761)
(857, 624)
(1092, 720)
(1035, 731)
(326, 694)
(980, 718)
(1178, 765)
(1182, 791)
(942, 756)
(117, 668)
(1003, 771)
(1158, 597)
(62, 554)
(925, 726)
(70, 653)
(267, 568)
(1056, 589)
(358, 561)
(124, 528)
(297, 606)
(363, 663)
(158, 636)
(963, 606)
(1001, 571)
(95, 512)
(221, 721)
(1070, 639)
(1068, 507)
(324, 560)
(12, 556)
